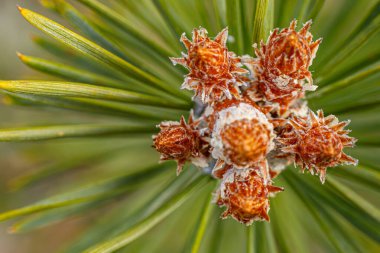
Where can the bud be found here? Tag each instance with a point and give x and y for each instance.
(282, 65)
(245, 195)
(290, 53)
(317, 142)
(242, 136)
(214, 72)
(251, 127)
(181, 142)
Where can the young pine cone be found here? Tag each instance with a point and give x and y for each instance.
(242, 137)
(181, 142)
(245, 195)
(282, 65)
(317, 142)
(215, 73)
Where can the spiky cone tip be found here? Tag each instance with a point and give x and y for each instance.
(180, 141)
(214, 72)
(245, 196)
(317, 142)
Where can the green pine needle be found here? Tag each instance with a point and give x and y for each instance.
(116, 82)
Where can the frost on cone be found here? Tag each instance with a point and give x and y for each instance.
(253, 124)
(245, 195)
(317, 142)
(215, 73)
(242, 136)
(283, 64)
(181, 142)
(289, 53)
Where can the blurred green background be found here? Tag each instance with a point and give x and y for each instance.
(17, 158)
(16, 34)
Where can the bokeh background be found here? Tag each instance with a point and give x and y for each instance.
(19, 158)
(16, 159)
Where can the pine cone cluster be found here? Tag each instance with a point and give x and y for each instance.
(254, 121)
